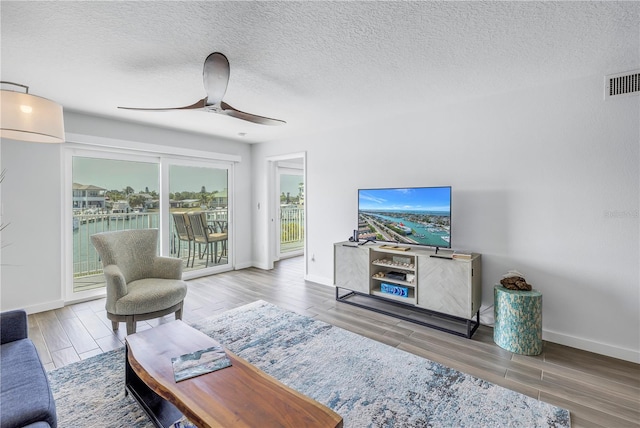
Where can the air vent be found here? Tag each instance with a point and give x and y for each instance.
(622, 84)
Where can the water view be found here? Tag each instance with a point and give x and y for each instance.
(85, 257)
(411, 228)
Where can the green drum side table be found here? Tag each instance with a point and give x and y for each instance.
(518, 320)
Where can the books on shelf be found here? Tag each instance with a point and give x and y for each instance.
(200, 362)
(394, 289)
(462, 254)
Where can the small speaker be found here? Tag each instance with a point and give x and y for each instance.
(396, 275)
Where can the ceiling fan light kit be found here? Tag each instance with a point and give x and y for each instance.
(27, 117)
(215, 76)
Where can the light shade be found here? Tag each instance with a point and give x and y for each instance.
(27, 117)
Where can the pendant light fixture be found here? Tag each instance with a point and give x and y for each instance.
(26, 117)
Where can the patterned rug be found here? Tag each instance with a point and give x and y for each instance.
(368, 383)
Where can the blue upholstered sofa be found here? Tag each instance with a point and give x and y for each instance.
(25, 396)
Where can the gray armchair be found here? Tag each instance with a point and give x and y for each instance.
(140, 284)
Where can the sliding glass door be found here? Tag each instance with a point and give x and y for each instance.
(118, 191)
(199, 216)
(108, 195)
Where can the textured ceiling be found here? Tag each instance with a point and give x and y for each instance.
(317, 65)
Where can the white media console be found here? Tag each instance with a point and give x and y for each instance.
(388, 279)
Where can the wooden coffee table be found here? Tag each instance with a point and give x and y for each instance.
(236, 396)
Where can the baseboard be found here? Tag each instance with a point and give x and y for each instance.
(244, 265)
(591, 346)
(486, 318)
(42, 307)
(486, 315)
(319, 280)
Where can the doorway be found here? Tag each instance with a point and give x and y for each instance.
(290, 205)
(287, 206)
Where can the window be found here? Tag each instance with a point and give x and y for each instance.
(108, 195)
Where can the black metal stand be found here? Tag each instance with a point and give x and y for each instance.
(162, 413)
(368, 240)
(436, 321)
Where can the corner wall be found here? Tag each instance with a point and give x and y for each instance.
(545, 181)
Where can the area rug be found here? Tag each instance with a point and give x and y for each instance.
(368, 383)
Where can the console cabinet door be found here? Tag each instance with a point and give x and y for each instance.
(351, 267)
(445, 286)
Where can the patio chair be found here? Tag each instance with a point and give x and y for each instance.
(140, 284)
(222, 226)
(203, 234)
(183, 232)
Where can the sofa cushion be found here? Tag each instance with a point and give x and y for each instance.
(13, 326)
(25, 396)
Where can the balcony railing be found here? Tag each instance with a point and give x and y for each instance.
(87, 264)
(291, 228)
(85, 258)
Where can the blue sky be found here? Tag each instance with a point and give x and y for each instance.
(407, 199)
(290, 183)
(117, 175)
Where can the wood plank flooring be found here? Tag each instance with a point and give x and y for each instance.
(599, 391)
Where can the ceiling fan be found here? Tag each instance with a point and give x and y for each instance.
(216, 78)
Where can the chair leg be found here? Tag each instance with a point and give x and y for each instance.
(115, 325)
(223, 250)
(206, 254)
(179, 311)
(131, 325)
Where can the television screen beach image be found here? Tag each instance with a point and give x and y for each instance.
(414, 215)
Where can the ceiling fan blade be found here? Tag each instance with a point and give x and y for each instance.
(233, 112)
(197, 105)
(215, 76)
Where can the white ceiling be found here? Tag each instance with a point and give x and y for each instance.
(316, 65)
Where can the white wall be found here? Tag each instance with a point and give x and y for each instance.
(31, 211)
(31, 275)
(545, 181)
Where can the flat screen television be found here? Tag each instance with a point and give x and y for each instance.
(412, 215)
